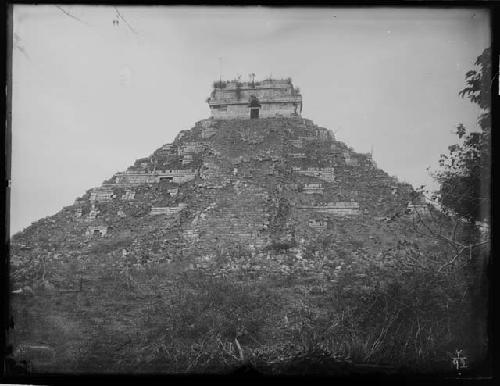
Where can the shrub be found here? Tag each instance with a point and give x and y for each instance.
(105, 246)
(219, 84)
(204, 315)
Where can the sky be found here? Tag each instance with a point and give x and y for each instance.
(89, 96)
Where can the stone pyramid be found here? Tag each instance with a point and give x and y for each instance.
(263, 200)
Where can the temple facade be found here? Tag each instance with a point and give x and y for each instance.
(253, 100)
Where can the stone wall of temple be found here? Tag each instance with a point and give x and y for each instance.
(138, 178)
(272, 98)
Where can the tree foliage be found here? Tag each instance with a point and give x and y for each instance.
(465, 171)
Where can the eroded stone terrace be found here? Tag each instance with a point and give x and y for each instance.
(244, 186)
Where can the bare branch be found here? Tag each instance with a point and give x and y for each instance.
(126, 22)
(461, 251)
(452, 260)
(455, 230)
(240, 351)
(454, 244)
(17, 45)
(436, 221)
(224, 349)
(70, 15)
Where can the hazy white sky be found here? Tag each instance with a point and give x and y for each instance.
(90, 97)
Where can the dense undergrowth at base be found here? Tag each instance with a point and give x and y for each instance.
(408, 315)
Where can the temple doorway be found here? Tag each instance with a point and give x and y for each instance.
(254, 107)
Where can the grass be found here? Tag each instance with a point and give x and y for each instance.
(161, 320)
(366, 292)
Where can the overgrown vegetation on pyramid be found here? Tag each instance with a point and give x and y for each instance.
(265, 184)
(262, 241)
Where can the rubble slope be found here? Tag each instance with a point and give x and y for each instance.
(276, 199)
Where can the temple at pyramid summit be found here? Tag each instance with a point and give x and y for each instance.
(255, 99)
